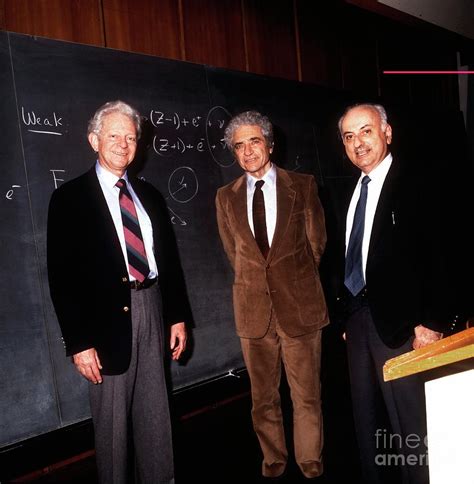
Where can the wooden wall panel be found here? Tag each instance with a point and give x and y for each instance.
(345, 44)
(338, 47)
(146, 26)
(270, 37)
(320, 44)
(73, 20)
(2, 15)
(213, 34)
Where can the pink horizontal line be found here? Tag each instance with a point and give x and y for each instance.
(428, 72)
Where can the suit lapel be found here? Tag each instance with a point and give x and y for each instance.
(101, 213)
(239, 206)
(285, 202)
(384, 206)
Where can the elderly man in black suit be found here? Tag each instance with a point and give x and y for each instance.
(109, 243)
(389, 281)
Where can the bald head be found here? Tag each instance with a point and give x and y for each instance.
(366, 135)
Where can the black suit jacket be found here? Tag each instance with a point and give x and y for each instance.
(88, 277)
(406, 268)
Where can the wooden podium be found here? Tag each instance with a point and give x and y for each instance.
(449, 405)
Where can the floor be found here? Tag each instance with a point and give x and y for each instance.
(213, 436)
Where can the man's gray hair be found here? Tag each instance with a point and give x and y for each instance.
(95, 123)
(376, 107)
(249, 118)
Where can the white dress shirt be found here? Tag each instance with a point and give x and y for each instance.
(270, 197)
(107, 182)
(377, 178)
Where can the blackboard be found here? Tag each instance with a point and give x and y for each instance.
(49, 91)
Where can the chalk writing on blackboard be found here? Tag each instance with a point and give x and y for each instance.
(158, 118)
(55, 177)
(216, 121)
(9, 194)
(50, 124)
(176, 134)
(176, 219)
(166, 146)
(183, 184)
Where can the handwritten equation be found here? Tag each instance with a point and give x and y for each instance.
(166, 147)
(159, 118)
(177, 133)
(174, 135)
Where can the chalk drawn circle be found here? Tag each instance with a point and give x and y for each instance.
(214, 135)
(183, 184)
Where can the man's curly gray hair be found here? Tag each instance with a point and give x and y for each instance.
(248, 118)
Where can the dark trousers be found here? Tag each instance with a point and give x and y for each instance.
(302, 359)
(390, 419)
(132, 408)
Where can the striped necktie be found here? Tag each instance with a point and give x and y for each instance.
(137, 259)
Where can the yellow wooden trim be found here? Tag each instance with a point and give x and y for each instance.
(448, 350)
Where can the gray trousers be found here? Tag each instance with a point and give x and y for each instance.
(132, 408)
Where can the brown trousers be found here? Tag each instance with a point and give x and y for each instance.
(302, 359)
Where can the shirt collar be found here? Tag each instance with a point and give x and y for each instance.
(269, 178)
(379, 173)
(108, 177)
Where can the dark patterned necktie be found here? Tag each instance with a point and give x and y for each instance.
(259, 220)
(137, 259)
(354, 275)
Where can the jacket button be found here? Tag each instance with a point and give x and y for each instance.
(126, 309)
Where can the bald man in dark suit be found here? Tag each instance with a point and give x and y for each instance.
(389, 276)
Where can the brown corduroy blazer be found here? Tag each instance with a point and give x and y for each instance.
(288, 280)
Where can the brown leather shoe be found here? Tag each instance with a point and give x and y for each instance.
(273, 470)
(311, 469)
